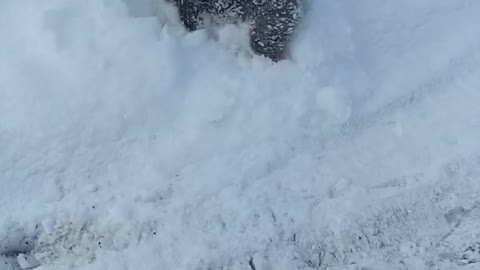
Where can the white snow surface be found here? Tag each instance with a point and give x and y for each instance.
(128, 144)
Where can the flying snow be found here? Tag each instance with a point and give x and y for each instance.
(128, 143)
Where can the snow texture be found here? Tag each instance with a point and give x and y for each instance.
(128, 143)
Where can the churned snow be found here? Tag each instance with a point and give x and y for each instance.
(127, 144)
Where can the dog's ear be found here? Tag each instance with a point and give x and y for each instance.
(274, 27)
(190, 13)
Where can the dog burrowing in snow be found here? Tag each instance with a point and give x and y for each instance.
(272, 23)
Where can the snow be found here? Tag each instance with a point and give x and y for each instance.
(126, 143)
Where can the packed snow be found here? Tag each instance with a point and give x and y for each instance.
(127, 143)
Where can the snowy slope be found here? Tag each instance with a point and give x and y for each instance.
(126, 143)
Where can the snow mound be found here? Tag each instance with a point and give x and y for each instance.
(127, 143)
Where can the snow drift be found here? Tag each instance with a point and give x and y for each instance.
(126, 143)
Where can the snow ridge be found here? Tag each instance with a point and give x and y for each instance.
(128, 143)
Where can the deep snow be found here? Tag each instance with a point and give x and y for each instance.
(126, 143)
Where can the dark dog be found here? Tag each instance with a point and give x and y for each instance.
(272, 22)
